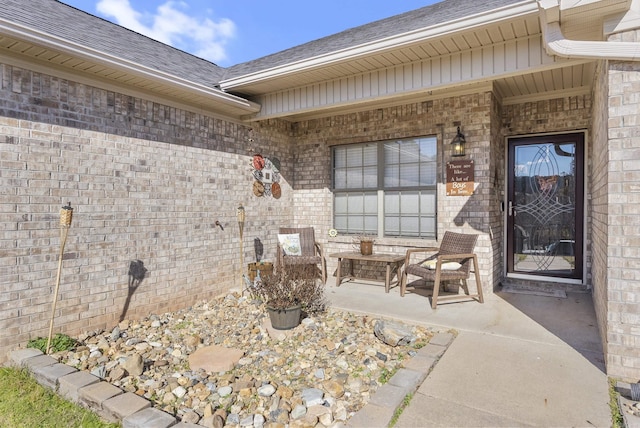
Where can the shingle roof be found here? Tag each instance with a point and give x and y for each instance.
(60, 20)
(438, 13)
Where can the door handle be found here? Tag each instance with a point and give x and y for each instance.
(511, 209)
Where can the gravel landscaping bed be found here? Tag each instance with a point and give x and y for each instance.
(320, 374)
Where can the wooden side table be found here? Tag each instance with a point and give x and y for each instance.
(389, 259)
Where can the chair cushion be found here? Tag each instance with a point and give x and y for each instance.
(290, 244)
(430, 274)
(431, 264)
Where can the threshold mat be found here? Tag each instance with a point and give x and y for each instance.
(534, 291)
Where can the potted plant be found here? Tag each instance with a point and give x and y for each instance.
(288, 292)
(365, 244)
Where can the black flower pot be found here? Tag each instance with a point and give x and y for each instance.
(285, 319)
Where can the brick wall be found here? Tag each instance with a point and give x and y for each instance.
(473, 214)
(599, 202)
(497, 180)
(623, 217)
(147, 182)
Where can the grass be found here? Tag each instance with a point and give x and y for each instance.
(26, 404)
(616, 415)
(405, 402)
(386, 375)
(59, 342)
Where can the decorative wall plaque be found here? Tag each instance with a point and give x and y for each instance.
(460, 178)
(266, 173)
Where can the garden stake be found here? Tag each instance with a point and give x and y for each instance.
(240, 215)
(65, 223)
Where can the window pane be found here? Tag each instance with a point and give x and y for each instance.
(391, 203)
(410, 163)
(356, 212)
(356, 204)
(340, 204)
(356, 224)
(392, 176)
(371, 203)
(410, 175)
(354, 156)
(339, 158)
(428, 149)
(428, 174)
(340, 222)
(410, 226)
(354, 179)
(428, 202)
(409, 152)
(391, 153)
(370, 155)
(371, 225)
(370, 177)
(428, 226)
(392, 226)
(410, 203)
(340, 179)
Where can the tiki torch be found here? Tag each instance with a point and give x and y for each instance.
(240, 214)
(66, 213)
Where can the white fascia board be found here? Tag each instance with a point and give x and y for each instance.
(523, 8)
(557, 44)
(28, 34)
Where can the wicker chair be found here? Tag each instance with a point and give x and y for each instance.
(312, 251)
(455, 247)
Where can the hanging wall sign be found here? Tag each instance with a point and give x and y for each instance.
(460, 178)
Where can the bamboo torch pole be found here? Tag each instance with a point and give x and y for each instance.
(241, 216)
(66, 213)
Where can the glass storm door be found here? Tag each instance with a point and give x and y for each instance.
(545, 206)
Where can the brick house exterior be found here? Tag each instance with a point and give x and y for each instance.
(150, 169)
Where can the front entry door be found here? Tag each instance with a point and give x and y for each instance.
(545, 202)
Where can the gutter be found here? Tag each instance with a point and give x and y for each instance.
(557, 44)
(28, 34)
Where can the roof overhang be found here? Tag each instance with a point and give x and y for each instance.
(27, 44)
(302, 72)
(545, 62)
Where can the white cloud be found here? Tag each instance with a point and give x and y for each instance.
(171, 24)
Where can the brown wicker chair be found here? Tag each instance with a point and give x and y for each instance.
(312, 251)
(456, 247)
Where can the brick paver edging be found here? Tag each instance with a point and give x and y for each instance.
(382, 406)
(133, 411)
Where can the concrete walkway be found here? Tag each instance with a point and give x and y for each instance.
(517, 360)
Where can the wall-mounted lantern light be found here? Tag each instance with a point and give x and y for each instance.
(457, 144)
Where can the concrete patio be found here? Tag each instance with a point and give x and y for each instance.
(518, 359)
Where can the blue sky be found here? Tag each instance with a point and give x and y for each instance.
(229, 32)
